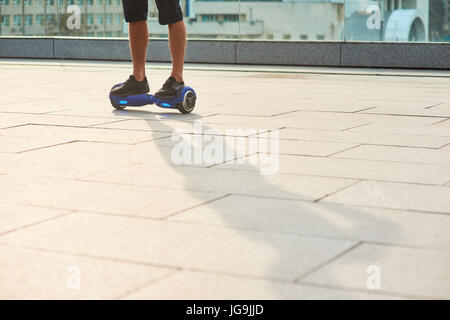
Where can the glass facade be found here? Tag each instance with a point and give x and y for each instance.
(294, 20)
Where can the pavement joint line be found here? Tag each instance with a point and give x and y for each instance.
(170, 219)
(36, 223)
(338, 177)
(283, 113)
(375, 113)
(46, 147)
(405, 115)
(327, 262)
(440, 121)
(369, 144)
(84, 255)
(392, 161)
(148, 264)
(434, 105)
(196, 206)
(343, 150)
(365, 109)
(336, 191)
(393, 208)
(16, 126)
(234, 159)
(358, 126)
(145, 285)
(104, 123)
(405, 246)
(365, 291)
(445, 145)
(310, 235)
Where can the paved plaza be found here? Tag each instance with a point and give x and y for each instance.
(345, 196)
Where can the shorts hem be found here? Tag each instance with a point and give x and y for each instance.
(135, 19)
(167, 21)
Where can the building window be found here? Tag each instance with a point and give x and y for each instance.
(50, 2)
(40, 19)
(109, 18)
(90, 2)
(51, 18)
(5, 21)
(27, 2)
(90, 19)
(320, 37)
(17, 20)
(28, 20)
(100, 19)
(118, 18)
(4, 2)
(209, 17)
(231, 17)
(16, 3)
(303, 37)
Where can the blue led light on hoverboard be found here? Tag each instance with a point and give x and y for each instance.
(123, 102)
(165, 105)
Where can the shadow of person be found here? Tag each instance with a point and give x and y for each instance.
(283, 235)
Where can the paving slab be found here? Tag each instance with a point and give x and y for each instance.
(116, 199)
(353, 169)
(82, 134)
(14, 217)
(402, 271)
(225, 181)
(396, 196)
(324, 220)
(185, 285)
(398, 154)
(364, 138)
(171, 244)
(23, 144)
(49, 276)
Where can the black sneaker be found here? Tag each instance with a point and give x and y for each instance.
(169, 89)
(131, 87)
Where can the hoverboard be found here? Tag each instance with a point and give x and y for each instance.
(184, 100)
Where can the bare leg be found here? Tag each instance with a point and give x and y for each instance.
(138, 47)
(177, 44)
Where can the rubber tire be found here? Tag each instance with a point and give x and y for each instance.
(188, 105)
(116, 106)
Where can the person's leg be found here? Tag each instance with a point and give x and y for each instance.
(135, 12)
(138, 47)
(170, 13)
(177, 44)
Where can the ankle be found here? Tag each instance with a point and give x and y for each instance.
(178, 78)
(139, 76)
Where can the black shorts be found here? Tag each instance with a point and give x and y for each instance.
(169, 11)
